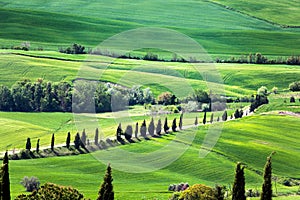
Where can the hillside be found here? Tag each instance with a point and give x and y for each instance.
(222, 32)
(249, 140)
(239, 79)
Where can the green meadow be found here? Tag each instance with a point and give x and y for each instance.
(225, 29)
(249, 140)
(220, 31)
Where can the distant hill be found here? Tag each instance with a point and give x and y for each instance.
(54, 24)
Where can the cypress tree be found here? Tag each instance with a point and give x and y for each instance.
(266, 193)
(241, 113)
(180, 121)
(211, 118)
(52, 142)
(38, 145)
(128, 132)
(158, 127)
(5, 182)
(106, 191)
(236, 114)
(143, 129)
(68, 140)
(166, 127)
(28, 144)
(224, 116)
(5, 158)
(83, 139)
(77, 141)
(96, 139)
(204, 118)
(174, 126)
(151, 127)
(196, 121)
(119, 132)
(238, 189)
(136, 132)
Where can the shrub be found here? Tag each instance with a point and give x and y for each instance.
(292, 100)
(295, 86)
(31, 184)
(51, 191)
(197, 191)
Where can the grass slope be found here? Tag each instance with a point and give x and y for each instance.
(239, 79)
(280, 12)
(248, 140)
(221, 31)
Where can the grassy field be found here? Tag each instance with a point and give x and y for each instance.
(238, 79)
(219, 30)
(19, 126)
(280, 12)
(248, 140)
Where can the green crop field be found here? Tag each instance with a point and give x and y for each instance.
(226, 29)
(55, 24)
(248, 140)
(280, 12)
(238, 79)
(20, 126)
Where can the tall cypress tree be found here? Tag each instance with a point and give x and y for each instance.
(83, 139)
(224, 116)
(96, 139)
(238, 189)
(68, 140)
(119, 132)
(143, 129)
(211, 118)
(158, 127)
(204, 118)
(106, 191)
(196, 121)
(180, 121)
(52, 142)
(174, 126)
(38, 146)
(136, 131)
(128, 132)
(28, 144)
(166, 127)
(77, 141)
(5, 183)
(266, 193)
(151, 127)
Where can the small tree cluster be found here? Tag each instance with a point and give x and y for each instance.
(295, 86)
(259, 100)
(238, 113)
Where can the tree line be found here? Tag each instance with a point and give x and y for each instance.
(40, 96)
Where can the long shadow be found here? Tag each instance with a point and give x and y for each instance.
(130, 140)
